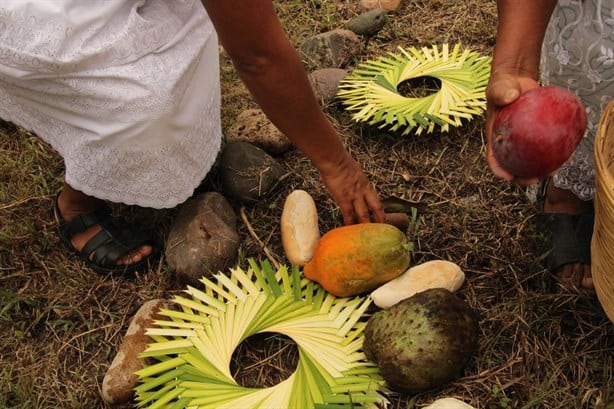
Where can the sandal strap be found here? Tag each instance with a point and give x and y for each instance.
(571, 238)
(110, 244)
(102, 249)
(83, 222)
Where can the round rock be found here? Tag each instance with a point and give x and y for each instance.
(247, 172)
(203, 238)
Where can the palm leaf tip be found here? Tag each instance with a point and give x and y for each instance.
(193, 347)
(371, 93)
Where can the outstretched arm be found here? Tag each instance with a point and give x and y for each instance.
(270, 67)
(515, 64)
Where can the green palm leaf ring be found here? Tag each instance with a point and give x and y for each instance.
(193, 345)
(371, 92)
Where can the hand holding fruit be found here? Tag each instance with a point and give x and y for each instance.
(536, 133)
(503, 89)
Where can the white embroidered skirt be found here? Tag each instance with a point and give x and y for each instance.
(127, 91)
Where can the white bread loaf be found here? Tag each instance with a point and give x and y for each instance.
(300, 232)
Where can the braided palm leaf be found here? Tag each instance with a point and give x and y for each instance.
(193, 347)
(371, 94)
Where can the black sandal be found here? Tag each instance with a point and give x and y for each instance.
(102, 251)
(570, 238)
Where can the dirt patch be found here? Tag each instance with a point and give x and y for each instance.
(540, 345)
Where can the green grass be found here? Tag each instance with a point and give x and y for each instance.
(541, 346)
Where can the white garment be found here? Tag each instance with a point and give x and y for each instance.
(127, 91)
(578, 54)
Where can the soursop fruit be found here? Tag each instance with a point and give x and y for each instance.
(424, 341)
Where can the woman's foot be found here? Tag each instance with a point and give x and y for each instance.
(72, 203)
(559, 201)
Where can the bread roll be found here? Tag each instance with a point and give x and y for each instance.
(421, 277)
(300, 232)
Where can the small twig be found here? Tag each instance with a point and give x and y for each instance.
(67, 343)
(20, 202)
(266, 250)
(492, 371)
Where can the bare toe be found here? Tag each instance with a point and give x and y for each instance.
(577, 277)
(587, 279)
(568, 275)
(136, 256)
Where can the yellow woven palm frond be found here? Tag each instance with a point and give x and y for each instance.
(371, 93)
(193, 346)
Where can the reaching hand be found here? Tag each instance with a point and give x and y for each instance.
(503, 89)
(350, 188)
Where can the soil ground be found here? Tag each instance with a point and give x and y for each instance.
(541, 346)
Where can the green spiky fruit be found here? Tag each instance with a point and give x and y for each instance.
(424, 341)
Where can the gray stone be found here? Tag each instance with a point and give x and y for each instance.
(252, 125)
(369, 23)
(248, 173)
(325, 83)
(203, 238)
(334, 49)
(388, 5)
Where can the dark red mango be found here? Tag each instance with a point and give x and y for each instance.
(534, 135)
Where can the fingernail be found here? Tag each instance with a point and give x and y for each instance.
(510, 94)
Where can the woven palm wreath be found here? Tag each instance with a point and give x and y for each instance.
(193, 346)
(371, 92)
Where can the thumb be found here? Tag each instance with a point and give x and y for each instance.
(503, 92)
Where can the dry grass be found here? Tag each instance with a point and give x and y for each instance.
(540, 347)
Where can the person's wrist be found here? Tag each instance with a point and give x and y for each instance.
(514, 67)
(332, 163)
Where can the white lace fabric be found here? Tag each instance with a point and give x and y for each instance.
(127, 91)
(578, 54)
